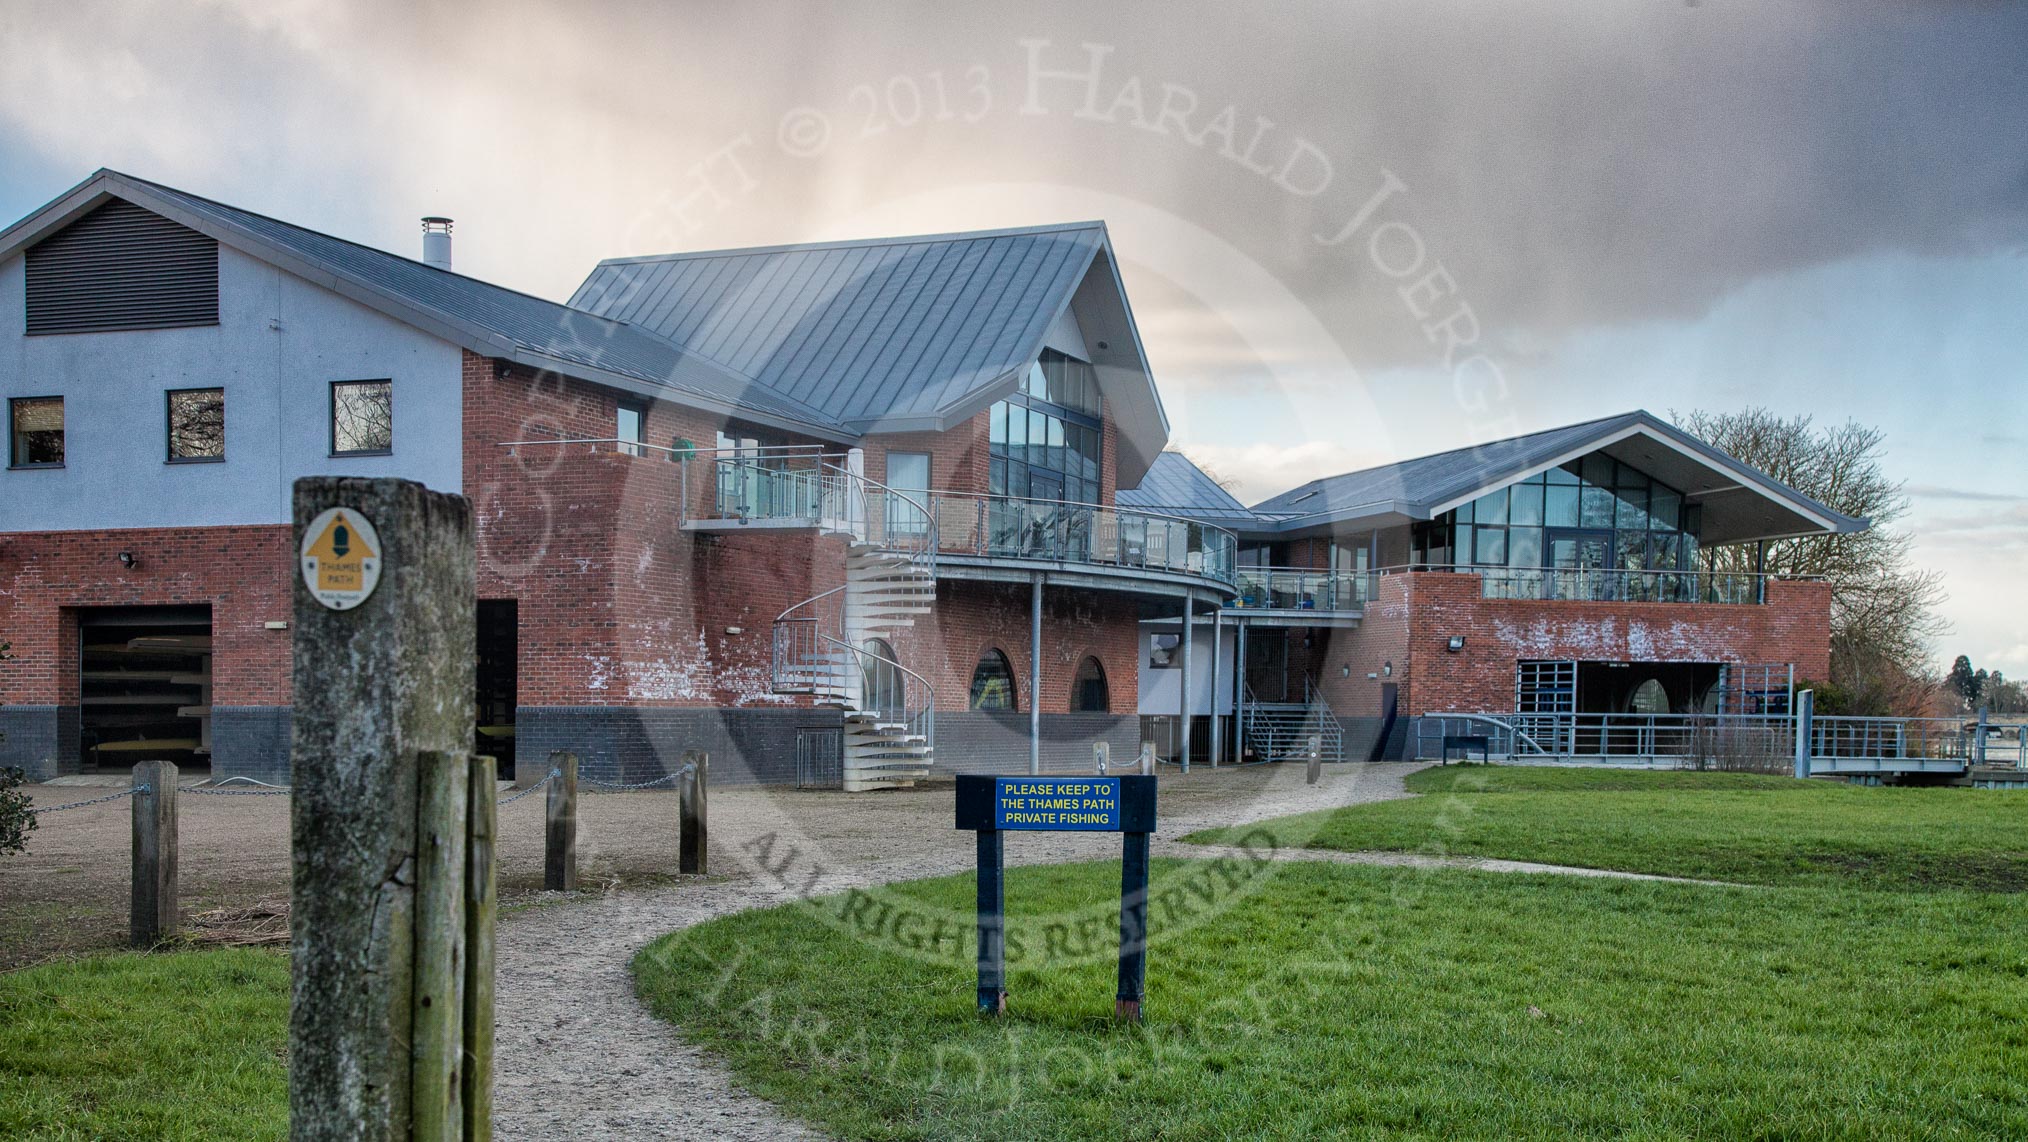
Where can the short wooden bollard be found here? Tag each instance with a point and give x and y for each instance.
(692, 840)
(559, 838)
(1147, 759)
(1316, 770)
(1101, 757)
(153, 917)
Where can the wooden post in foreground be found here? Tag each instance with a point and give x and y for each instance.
(385, 611)
(1147, 759)
(559, 835)
(691, 840)
(1316, 750)
(153, 916)
(481, 909)
(1101, 757)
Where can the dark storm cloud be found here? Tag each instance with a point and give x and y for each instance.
(1569, 164)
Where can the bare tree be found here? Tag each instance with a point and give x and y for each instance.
(1883, 607)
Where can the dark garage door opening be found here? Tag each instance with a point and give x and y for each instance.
(145, 692)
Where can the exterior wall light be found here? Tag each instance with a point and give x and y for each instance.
(1457, 643)
(1387, 669)
(128, 560)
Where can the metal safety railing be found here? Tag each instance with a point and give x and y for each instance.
(1064, 532)
(1620, 585)
(1301, 589)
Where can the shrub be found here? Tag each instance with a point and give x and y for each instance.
(16, 820)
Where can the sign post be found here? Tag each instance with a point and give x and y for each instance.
(994, 806)
(390, 1017)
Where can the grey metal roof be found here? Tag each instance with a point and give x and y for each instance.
(1740, 503)
(487, 318)
(868, 332)
(1175, 485)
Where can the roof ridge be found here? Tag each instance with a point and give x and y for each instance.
(850, 243)
(375, 250)
(1632, 414)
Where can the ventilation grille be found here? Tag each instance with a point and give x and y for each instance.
(122, 267)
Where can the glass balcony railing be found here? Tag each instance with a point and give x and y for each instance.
(1009, 528)
(1301, 589)
(808, 488)
(1620, 585)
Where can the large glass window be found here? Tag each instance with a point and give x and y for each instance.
(362, 418)
(1046, 439)
(908, 473)
(35, 432)
(1612, 513)
(993, 682)
(196, 425)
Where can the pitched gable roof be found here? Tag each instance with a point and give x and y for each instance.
(480, 316)
(1740, 503)
(1175, 485)
(896, 334)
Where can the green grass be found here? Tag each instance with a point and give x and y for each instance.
(1361, 1002)
(185, 1045)
(1745, 828)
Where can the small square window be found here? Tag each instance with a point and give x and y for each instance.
(196, 424)
(362, 418)
(35, 432)
(629, 428)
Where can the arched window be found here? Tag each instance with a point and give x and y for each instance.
(1650, 697)
(1088, 689)
(880, 677)
(993, 682)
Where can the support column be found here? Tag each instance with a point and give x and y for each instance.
(1239, 689)
(1035, 676)
(1217, 660)
(1183, 703)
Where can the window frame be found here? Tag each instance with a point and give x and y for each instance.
(1078, 681)
(13, 435)
(332, 410)
(1013, 682)
(631, 447)
(169, 426)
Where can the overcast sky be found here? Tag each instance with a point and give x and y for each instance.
(1351, 231)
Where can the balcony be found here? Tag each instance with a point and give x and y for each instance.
(802, 491)
(1620, 585)
(1301, 589)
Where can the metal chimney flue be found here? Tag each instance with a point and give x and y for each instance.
(437, 242)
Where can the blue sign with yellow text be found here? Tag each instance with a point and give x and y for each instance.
(1076, 804)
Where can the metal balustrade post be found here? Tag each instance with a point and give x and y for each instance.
(1183, 704)
(1806, 704)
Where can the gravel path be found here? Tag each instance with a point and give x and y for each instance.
(578, 1056)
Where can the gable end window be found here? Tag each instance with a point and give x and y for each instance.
(121, 267)
(35, 432)
(362, 418)
(196, 425)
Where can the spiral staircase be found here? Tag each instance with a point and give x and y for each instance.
(821, 645)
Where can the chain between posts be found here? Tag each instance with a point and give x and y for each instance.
(553, 775)
(40, 809)
(619, 788)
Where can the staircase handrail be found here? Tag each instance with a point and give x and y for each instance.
(912, 683)
(923, 548)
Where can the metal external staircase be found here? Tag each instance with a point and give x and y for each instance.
(1281, 731)
(824, 646)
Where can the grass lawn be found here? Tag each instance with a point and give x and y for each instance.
(1716, 826)
(174, 1046)
(1335, 1000)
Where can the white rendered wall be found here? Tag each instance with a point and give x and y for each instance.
(279, 344)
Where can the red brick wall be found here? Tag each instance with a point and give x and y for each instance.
(618, 604)
(1415, 615)
(972, 616)
(243, 573)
